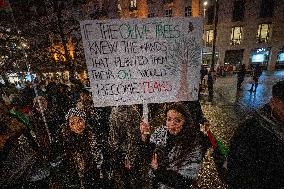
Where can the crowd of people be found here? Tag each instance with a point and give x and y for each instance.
(208, 77)
(47, 135)
(52, 136)
(256, 72)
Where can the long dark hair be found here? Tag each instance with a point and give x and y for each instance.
(179, 107)
(188, 133)
(187, 137)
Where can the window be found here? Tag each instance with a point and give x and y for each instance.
(266, 8)
(210, 15)
(188, 11)
(119, 7)
(168, 13)
(236, 35)
(260, 56)
(99, 10)
(151, 15)
(132, 5)
(209, 35)
(263, 33)
(239, 10)
(280, 57)
(167, 1)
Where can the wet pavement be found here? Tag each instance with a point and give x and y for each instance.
(227, 110)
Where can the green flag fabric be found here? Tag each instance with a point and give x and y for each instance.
(5, 6)
(22, 118)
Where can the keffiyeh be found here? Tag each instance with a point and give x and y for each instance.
(75, 112)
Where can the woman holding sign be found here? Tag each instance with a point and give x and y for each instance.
(179, 150)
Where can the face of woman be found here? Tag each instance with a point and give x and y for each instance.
(77, 124)
(175, 122)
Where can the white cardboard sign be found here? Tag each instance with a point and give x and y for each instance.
(143, 61)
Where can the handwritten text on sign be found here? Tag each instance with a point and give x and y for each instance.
(142, 61)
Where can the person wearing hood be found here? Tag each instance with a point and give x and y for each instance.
(22, 164)
(178, 149)
(82, 157)
(126, 148)
(257, 148)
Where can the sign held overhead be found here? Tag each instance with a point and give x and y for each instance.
(143, 61)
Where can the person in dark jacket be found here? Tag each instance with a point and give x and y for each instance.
(178, 150)
(22, 165)
(257, 148)
(210, 83)
(255, 76)
(98, 120)
(125, 147)
(203, 73)
(241, 76)
(82, 157)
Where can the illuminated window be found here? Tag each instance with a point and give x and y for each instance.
(188, 11)
(151, 15)
(263, 33)
(236, 35)
(132, 5)
(168, 13)
(209, 35)
(280, 57)
(59, 53)
(119, 7)
(260, 56)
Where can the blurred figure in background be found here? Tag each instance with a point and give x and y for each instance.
(210, 84)
(256, 73)
(241, 76)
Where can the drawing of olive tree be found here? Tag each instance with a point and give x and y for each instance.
(184, 53)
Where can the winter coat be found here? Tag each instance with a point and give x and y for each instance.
(179, 157)
(257, 153)
(256, 74)
(210, 81)
(125, 143)
(81, 160)
(125, 131)
(241, 73)
(21, 164)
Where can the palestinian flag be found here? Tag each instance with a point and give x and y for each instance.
(217, 144)
(5, 6)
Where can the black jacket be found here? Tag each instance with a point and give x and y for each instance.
(257, 153)
(81, 160)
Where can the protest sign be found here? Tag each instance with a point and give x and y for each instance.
(143, 61)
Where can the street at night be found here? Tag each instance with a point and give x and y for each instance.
(141, 94)
(228, 109)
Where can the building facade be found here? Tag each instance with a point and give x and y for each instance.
(248, 32)
(141, 8)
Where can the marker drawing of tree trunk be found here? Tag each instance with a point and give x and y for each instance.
(185, 53)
